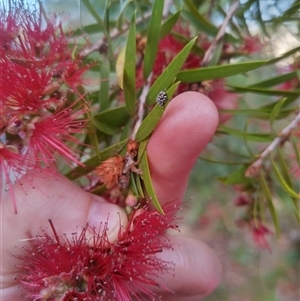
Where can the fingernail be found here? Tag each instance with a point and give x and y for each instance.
(102, 212)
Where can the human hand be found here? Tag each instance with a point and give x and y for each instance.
(188, 124)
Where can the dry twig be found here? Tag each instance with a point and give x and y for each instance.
(254, 168)
(209, 52)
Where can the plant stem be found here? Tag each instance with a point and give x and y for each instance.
(141, 107)
(282, 136)
(209, 52)
(116, 33)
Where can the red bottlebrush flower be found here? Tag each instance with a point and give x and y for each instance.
(95, 269)
(23, 89)
(294, 82)
(12, 165)
(242, 200)
(259, 234)
(251, 45)
(47, 136)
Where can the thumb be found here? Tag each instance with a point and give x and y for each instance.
(45, 195)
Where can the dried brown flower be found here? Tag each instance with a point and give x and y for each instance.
(110, 170)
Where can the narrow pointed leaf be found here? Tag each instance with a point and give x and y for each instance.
(263, 91)
(93, 162)
(90, 29)
(111, 121)
(120, 17)
(138, 185)
(259, 113)
(283, 167)
(133, 186)
(120, 67)
(169, 74)
(296, 149)
(168, 25)
(129, 69)
(151, 120)
(283, 183)
(104, 84)
(238, 176)
(201, 23)
(270, 204)
(93, 137)
(93, 12)
(148, 183)
(276, 110)
(259, 137)
(216, 55)
(153, 37)
(142, 148)
(285, 55)
(99, 189)
(274, 80)
(201, 74)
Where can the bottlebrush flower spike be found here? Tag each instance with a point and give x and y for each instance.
(82, 269)
(259, 234)
(12, 164)
(23, 89)
(38, 73)
(47, 136)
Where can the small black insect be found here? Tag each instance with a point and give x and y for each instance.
(161, 98)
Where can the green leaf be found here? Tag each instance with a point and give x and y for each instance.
(206, 73)
(104, 84)
(238, 176)
(274, 80)
(120, 16)
(296, 149)
(276, 110)
(95, 161)
(286, 176)
(201, 24)
(148, 183)
(136, 181)
(198, 20)
(142, 148)
(232, 24)
(167, 77)
(90, 29)
(257, 13)
(282, 181)
(168, 25)
(260, 113)
(184, 40)
(129, 69)
(120, 63)
(259, 137)
(283, 167)
(287, 103)
(98, 190)
(133, 185)
(153, 37)
(285, 55)
(216, 54)
(151, 120)
(91, 132)
(93, 12)
(263, 91)
(111, 121)
(270, 204)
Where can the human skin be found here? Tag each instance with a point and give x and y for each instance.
(186, 127)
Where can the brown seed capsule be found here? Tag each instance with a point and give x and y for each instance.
(132, 148)
(110, 170)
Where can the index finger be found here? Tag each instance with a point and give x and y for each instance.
(185, 129)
